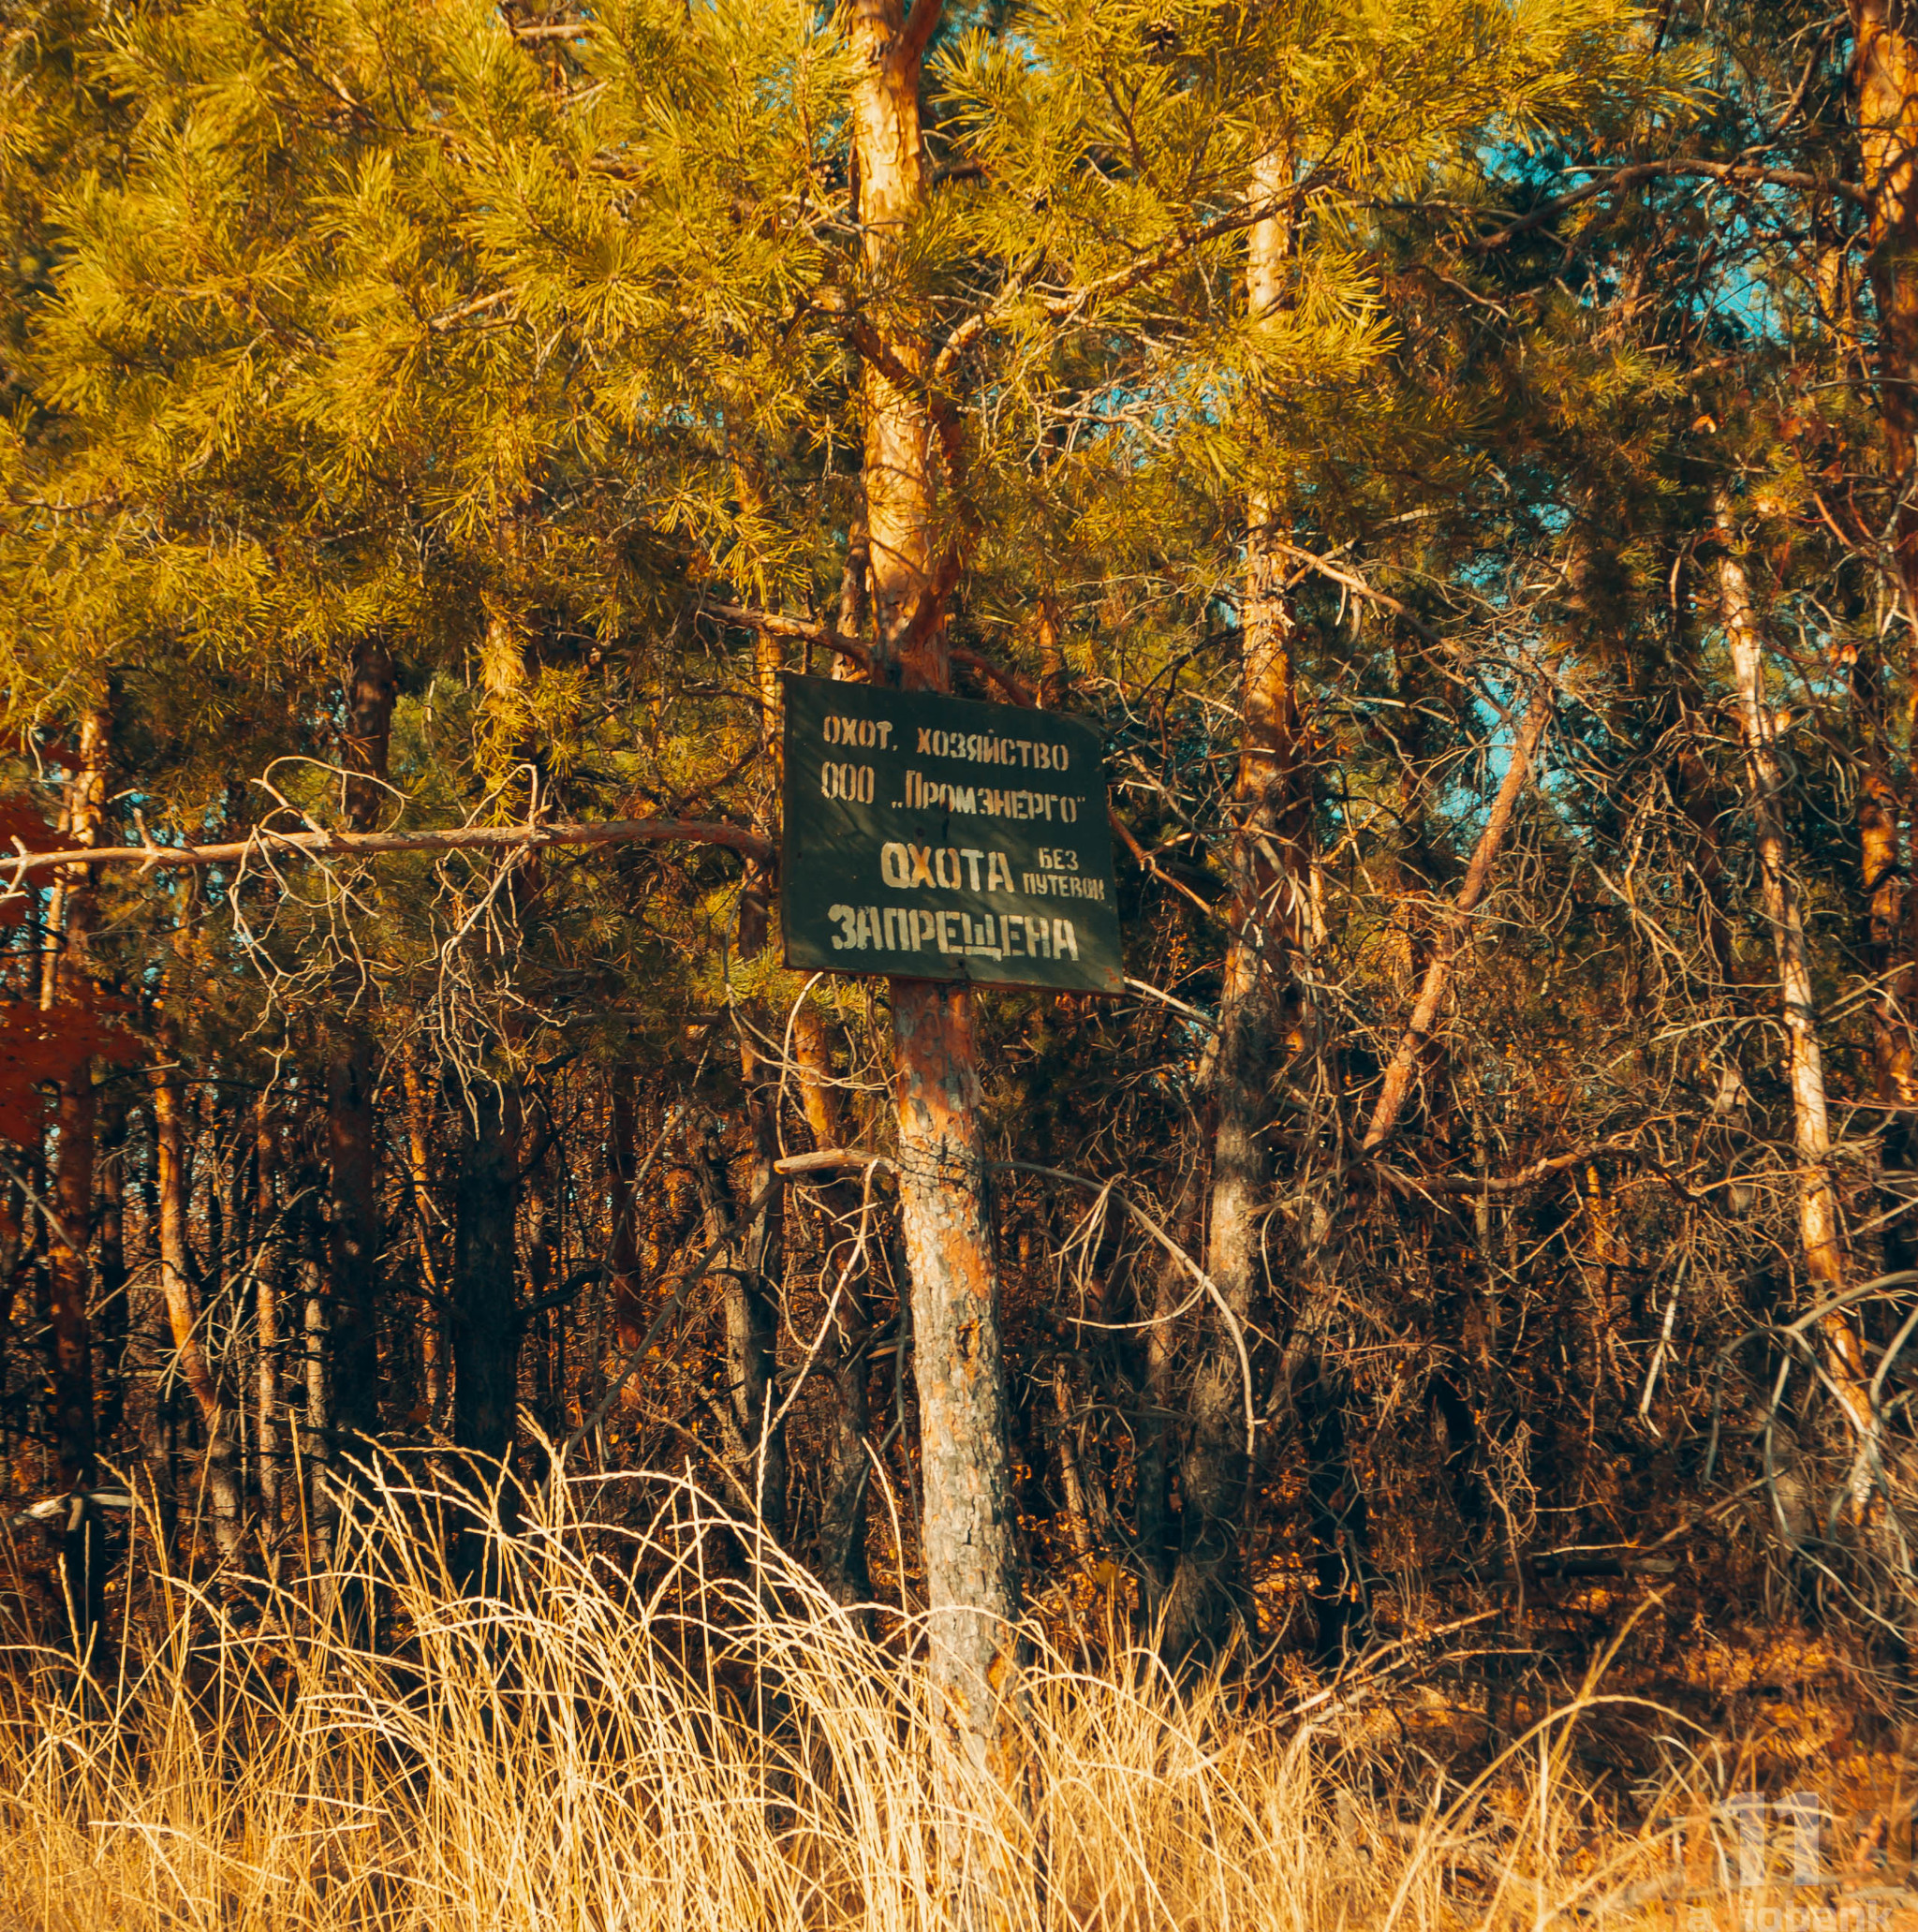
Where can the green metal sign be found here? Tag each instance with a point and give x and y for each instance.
(928, 838)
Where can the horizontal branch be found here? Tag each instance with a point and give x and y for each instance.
(347, 845)
(1069, 304)
(1636, 171)
(478, 305)
(829, 1160)
(1356, 584)
(1528, 1176)
(810, 631)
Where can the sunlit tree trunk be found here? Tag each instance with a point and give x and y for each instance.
(968, 1530)
(1817, 1206)
(16, 1246)
(219, 1470)
(317, 1396)
(419, 1176)
(543, 1261)
(1885, 74)
(1258, 1007)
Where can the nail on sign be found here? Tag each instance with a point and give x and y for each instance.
(928, 838)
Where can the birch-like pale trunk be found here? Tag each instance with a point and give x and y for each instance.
(314, 1440)
(969, 1530)
(1817, 1205)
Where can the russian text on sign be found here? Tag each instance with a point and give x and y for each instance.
(904, 855)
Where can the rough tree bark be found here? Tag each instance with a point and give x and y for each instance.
(1818, 1205)
(622, 1249)
(370, 690)
(111, 1298)
(82, 1564)
(753, 1295)
(219, 1470)
(842, 1556)
(1885, 76)
(420, 1176)
(485, 1322)
(271, 1252)
(968, 1518)
(314, 1438)
(1257, 1009)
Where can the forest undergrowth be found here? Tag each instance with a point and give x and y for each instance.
(574, 1721)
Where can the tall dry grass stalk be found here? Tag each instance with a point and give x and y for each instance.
(609, 1737)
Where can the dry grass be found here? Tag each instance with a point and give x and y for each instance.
(575, 1750)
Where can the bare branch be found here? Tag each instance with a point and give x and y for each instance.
(921, 24)
(1735, 171)
(610, 831)
(1398, 1075)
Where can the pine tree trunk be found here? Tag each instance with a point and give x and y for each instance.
(754, 1295)
(69, 1276)
(371, 689)
(150, 1364)
(109, 1270)
(220, 1479)
(543, 1261)
(15, 1247)
(750, 1324)
(1154, 1522)
(1885, 74)
(968, 1526)
(1077, 1507)
(420, 1173)
(485, 1322)
(842, 1558)
(1817, 1205)
(267, 1266)
(1271, 887)
(623, 1245)
(316, 1427)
